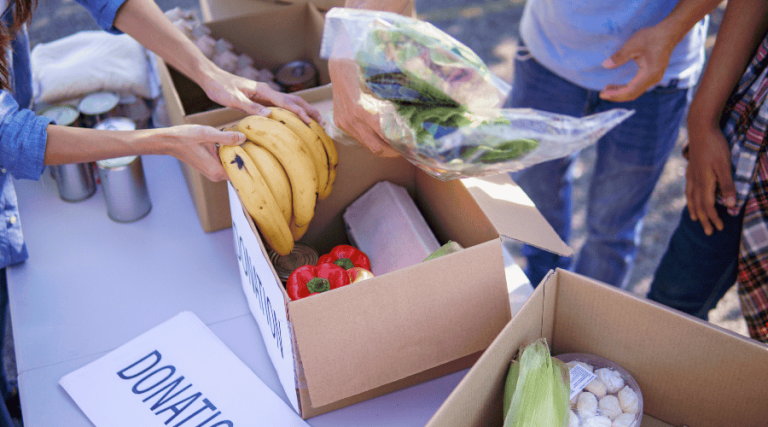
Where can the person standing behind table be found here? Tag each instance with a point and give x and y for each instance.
(722, 236)
(583, 57)
(28, 143)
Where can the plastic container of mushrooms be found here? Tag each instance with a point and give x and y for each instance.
(611, 399)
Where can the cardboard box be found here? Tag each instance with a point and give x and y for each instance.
(406, 326)
(213, 10)
(690, 372)
(273, 36)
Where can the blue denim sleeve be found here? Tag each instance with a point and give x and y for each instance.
(22, 139)
(104, 12)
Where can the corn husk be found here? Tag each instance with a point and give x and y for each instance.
(537, 389)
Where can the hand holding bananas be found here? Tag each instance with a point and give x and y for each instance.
(192, 144)
(280, 172)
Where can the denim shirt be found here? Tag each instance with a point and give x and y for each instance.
(22, 134)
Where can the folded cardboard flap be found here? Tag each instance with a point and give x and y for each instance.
(351, 341)
(513, 214)
(689, 371)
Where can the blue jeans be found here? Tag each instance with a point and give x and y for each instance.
(697, 270)
(5, 386)
(629, 161)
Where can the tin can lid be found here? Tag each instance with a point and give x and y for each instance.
(116, 162)
(296, 72)
(98, 103)
(63, 115)
(300, 255)
(116, 123)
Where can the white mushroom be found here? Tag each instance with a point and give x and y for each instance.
(609, 406)
(612, 379)
(624, 420)
(628, 400)
(596, 387)
(573, 419)
(586, 405)
(598, 421)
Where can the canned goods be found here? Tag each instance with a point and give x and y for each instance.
(116, 123)
(300, 255)
(62, 115)
(75, 182)
(122, 179)
(97, 106)
(297, 75)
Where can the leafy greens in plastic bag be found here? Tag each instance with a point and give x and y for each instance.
(439, 104)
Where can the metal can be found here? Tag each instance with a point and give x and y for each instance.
(300, 255)
(97, 107)
(75, 182)
(297, 75)
(122, 180)
(62, 115)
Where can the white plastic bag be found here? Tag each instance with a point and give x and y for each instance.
(89, 61)
(439, 104)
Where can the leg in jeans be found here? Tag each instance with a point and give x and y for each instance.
(5, 388)
(697, 270)
(629, 162)
(548, 184)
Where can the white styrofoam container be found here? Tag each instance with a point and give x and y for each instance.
(386, 224)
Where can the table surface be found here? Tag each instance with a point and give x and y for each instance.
(92, 284)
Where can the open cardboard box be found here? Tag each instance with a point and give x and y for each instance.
(690, 372)
(273, 36)
(401, 328)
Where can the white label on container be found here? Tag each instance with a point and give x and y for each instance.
(265, 298)
(580, 378)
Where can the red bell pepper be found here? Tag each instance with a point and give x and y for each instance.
(346, 256)
(312, 279)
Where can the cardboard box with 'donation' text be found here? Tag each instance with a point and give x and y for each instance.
(690, 373)
(273, 37)
(401, 328)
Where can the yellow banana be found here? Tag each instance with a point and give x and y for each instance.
(310, 139)
(279, 140)
(274, 175)
(297, 232)
(333, 157)
(257, 198)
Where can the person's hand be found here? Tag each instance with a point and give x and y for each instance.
(197, 146)
(651, 49)
(709, 168)
(350, 116)
(250, 96)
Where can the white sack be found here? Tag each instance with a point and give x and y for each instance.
(89, 61)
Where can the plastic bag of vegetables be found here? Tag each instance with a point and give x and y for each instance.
(439, 104)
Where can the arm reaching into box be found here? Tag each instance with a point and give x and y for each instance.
(349, 115)
(144, 21)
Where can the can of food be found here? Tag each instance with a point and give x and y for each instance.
(122, 179)
(62, 115)
(97, 107)
(300, 255)
(75, 182)
(297, 75)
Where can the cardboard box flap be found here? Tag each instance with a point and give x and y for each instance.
(513, 214)
(351, 342)
(489, 373)
(670, 364)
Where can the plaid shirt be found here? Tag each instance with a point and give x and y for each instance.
(744, 125)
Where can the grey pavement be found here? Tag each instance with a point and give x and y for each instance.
(490, 28)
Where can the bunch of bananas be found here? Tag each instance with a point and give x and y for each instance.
(280, 172)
